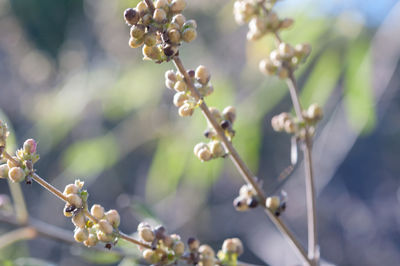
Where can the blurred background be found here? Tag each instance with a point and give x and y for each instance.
(69, 79)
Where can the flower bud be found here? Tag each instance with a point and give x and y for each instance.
(103, 237)
(146, 234)
(174, 35)
(273, 21)
(160, 3)
(16, 174)
(112, 216)
(216, 148)
(150, 256)
(303, 50)
(91, 241)
(272, 203)
(229, 113)
(30, 146)
(189, 34)
(185, 110)
(179, 19)
(267, 67)
(239, 245)
(202, 74)
(285, 50)
(314, 112)
(216, 114)
(150, 39)
(71, 189)
(283, 73)
(206, 251)
(141, 7)
(290, 126)
(151, 52)
(81, 234)
(143, 225)
(180, 86)
(193, 244)
(135, 43)
(246, 191)
(11, 163)
(137, 31)
(131, 16)
(79, 220)
(168, 241)
(204, 155)
(105, 226)
(159, 15)
(170, 75)
(97, 211)
(75, 200)
(240, 203)
(276, 123)
(180, 98)
(229, 246)
(178, 6)
(68, 210)
(4, 171)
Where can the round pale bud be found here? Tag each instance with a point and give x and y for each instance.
(168, 241)
(185, 110)
(179, 248)
(71, 189)
(283, 73)
(290, 126)
(174, 35)
(75, 200)
(267, 67)
(4, 171)
(240, 203)
(193, 244)
(206, 251)
(16, 174)
(272, 203)
(112, 216)
(286, 23)
(303, 50)
(169, 84)
(229, 113)
(246, 191)
(151, 52)
(105, 226)
(178, 6)
(143, 225)
(146, 234)
(276, 123)
(204, 155)
(229, 246)
(131, 16)
(314, 112)
(91, 241)
(97, 211)
(159, 15)
(199, 146)
(150, 256)
(285, 50)
(30, 146)
(179, 19)
(11, 163)
(141, 7)
(160, 3)
(216, 114)
(202, 74)
(150, 39)
(189, 34)
(275, 58)
(239, 245)
(103, 237)
(81, 234)
(79, 220)
(257, 24)
(217, 149)
(147, 19)
(135, 43)
(137, 31)
(180, 98)
(191, 23)
(170, 75)
(180, 86)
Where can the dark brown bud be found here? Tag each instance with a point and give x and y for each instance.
(131, 16)
(225, 124)
(170, 50)
(252, 202)
(191, 73)
(108, 246)
(159, 232)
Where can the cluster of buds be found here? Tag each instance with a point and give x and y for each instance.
(284, 59)
(232, 248)
(105, 226)
(161, 30)
(165, 249)
(183, 98)
(260, 18)
(291, 125)
(247, 198)
(3, 136)
(277, 204)
(20, 167)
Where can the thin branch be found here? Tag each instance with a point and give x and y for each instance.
(16, 235)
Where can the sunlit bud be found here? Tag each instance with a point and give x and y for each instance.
(4, 171)
(283, 73)
(174, 35)
(142, 8)
(217, 149)
(178, 6)
(199, 146)
(267, 67)
(170, 75)
(75, 200)
(246, 191)
(179, 19)
(112, 216)
(159, 15)
(81, 234)
(79, 220)
(180, 86)
(303, 49)
(286, 23)
(160, 3)
(137, 31)
(240, 203)
(289, 126)
(229, 246)
(253, 35)
(257, 24)
(239, 245)
(229, 113)
(272, 203)
(146, 234)
(185, 110)
(180, 98)
(97, 211)
(147, 19)
(276, 123)
(179, 248)
(71, 189)
(285, 50)
(206, 251)
(11, 163)
(30, 146)
(143, 225)
(105, 226)
(204, 155)
(202, 74)
(104, 237)
(314, 112)
(169, 84)
(150, 256)
(91, 241)
(151, 52)
(16, 174)
(131, 16)
(216, 114)
(193, 244)
(275, 58)
(189, 34)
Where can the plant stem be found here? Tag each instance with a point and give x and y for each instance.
(239, 163)
(17, 235)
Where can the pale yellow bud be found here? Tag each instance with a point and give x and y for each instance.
(179, 248)
(174, 35)
(113, 217)
(185, 110)
(206, 251)
(97, 211)
(239, 245)
(16, 174)
(81, 234)
(150, 256)
(179, 19)
(202, 74)
(105, 226)
(91, 241)
(79, 220)
(229, 113)
(178, 6)
(285, 50)
(229, 246)
(159, 15)
(204, 155)
(11, 164)
(160, 3)
(189, 34)
(71, 189)
(314, 112)
(137, 31)
(180, 86)
(4, 171)
(75, 200)
(180, 98)
(217, 149)
(273, 203)
(146, 234)
(104, 237)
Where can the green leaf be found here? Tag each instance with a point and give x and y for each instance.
(359, 99)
